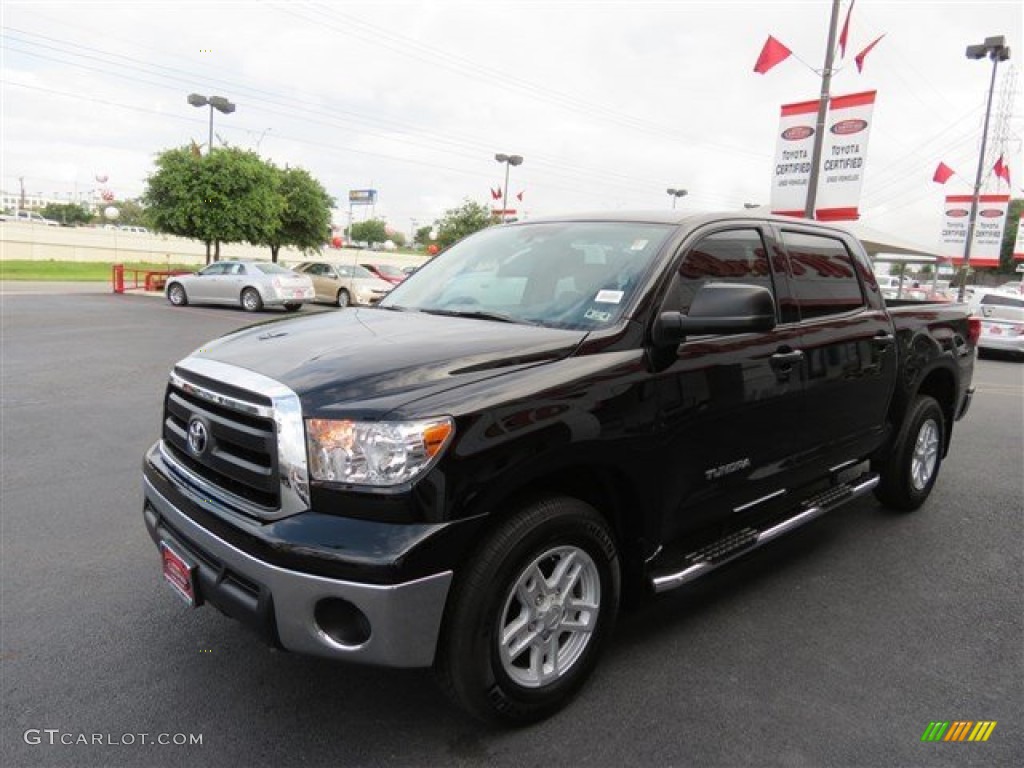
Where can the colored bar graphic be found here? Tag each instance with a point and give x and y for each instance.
(958, 730)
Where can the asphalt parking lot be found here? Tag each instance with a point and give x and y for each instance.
(835, 646)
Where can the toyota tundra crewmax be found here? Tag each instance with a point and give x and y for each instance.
(548, 418)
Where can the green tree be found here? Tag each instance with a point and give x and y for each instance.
(459, 222)
(68, 214)
(370, 231)
(305, 218)
(1006, 263)
(423, 236)
(229, 195)
(132, 213)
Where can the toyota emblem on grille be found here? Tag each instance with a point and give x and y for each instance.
(197, 437)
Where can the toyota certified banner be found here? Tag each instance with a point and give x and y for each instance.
(844, 156)
(988, 229)
(793, 158)
(843, 159)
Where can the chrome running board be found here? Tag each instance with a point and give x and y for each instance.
(728, 548)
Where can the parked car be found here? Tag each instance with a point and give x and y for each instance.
(546, 417)
(251, 285)
(30, 217)
(345, 284)
(1002, 319)
(134, 229)
(388, 272)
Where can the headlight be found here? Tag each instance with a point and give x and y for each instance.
(378, 453)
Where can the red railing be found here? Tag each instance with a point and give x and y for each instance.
(151, 280)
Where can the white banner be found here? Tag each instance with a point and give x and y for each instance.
(793, 151)
(988, 229)
(1018, 245)
(844, 156)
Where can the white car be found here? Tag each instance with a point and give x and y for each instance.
(30, 217)
(1002, 319)
(251, 285)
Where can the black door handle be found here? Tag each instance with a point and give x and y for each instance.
(786, 360)
(883, 340)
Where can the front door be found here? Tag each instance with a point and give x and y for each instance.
(729, 406)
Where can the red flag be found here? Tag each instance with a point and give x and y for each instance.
(942, 173)
(846, 30)
(773, 53)
(496, 193)
(1002, 170)
(519, 197)
(859, 58)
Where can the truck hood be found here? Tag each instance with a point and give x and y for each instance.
(381, 359)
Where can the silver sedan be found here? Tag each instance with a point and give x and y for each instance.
(251, 285)
(345, 284)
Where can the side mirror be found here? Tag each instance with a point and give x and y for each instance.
(718, 308)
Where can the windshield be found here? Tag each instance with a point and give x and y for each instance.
(390, 271)
(577, 275)
(354, 271)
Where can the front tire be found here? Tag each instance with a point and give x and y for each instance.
(293, 307)
(343, 298)
(528, 617)
(251, 300)
(176, 295)
(910, 472)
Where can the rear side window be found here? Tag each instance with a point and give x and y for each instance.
(732, 256)
(822, 274)
(995, 299)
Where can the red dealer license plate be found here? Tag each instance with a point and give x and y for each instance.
(180, 574)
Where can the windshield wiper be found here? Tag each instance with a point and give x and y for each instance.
(477, 314)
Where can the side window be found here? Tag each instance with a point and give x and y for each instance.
(213, 270)
(238, 269)
(732, 256)
(1002, 301)
(822, 274)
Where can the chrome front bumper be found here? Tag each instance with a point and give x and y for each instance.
(404, 619)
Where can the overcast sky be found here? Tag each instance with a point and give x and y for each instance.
(610, 103)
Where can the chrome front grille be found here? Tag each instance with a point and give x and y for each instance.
(249, 450)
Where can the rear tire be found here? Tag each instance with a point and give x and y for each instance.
(527, 619)
(293, 307)
(909, 473)
(251, 300)
(176, 295)
(343, 299)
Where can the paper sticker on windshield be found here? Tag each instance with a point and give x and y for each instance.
(608, 297)
(601, 317)
(638, 245)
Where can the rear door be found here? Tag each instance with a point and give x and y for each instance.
(729, 407)
(847, 341)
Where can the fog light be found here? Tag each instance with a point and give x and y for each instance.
(342, 622)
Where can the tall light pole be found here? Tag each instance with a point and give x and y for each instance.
(221, 105)
(676, 194)
(507, 160)
(996, 49)
(215, 102)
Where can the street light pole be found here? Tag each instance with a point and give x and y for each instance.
(997, 50)
(508, 160)
(221, 104)
(676, 194)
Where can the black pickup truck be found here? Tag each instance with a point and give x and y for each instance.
(548, 418)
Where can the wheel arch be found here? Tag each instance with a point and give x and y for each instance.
(940, 383)
(609, 490)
